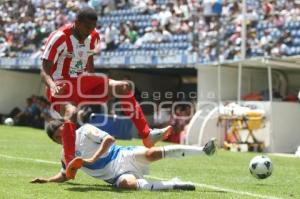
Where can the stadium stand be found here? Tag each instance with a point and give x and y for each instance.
(159, 27)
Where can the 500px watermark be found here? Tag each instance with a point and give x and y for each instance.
(95, 89)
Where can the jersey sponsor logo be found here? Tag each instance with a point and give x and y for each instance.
(77, 68)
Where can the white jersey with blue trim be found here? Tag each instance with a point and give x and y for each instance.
(115, 162)
(88, 140)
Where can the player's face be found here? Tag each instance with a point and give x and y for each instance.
(86, 27)
(57, 135)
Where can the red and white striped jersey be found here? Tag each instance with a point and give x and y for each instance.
(70, 57)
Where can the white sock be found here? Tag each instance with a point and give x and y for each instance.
(177, 151)
(154, 185)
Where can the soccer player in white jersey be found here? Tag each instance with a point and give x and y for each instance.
(68, 72)
(120, 166)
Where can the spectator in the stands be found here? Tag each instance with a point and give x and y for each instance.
(163, 16)
(278, 20)
(140, 5)
(131, 34)
(149, 36)
(208, 11)
(36, 18)
(151, 6)
(267, 7)
(174, 22)
(286, 38)
(281, 46)
(265, 41)
(120, 4)
(44, 107)
(184, 9)
(123, 29)
(185, 26)
(111, 37)
(26, 117)
(4, 47)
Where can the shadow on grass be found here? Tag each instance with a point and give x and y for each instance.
(263, 185)
(77, 187)
(211, 191)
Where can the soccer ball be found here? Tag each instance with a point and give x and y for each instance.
(9, 121)
(261, 166)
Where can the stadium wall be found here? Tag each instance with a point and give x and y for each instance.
(252, 80)
(15, 87)
(285, 127)
(149, 82)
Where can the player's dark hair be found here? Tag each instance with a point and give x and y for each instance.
(86, 13)
(52, 127)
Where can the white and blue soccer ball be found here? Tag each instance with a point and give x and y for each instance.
(261, 167)
(9, 121)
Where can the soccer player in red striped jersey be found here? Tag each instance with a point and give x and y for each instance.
(67, 70)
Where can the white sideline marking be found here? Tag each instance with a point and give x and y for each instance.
(29, 159)
(224, 189)
(157, 178)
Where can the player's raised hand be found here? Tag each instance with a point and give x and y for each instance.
(58, 89)
(39, 180)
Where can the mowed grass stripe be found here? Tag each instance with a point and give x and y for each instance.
(157, 178)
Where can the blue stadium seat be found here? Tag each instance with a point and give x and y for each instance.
(270, 25)
(294, 33)
(297, 33)
(296, 41)
(297, 24)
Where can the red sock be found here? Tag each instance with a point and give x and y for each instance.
(132, 109)
(68, 140)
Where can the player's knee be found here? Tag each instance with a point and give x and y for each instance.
(153, 154)
(123, 88)
(70, 112)
(127, 183)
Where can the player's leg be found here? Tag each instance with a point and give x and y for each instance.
(129, 181)
(62, 103)
(174, 151)
(101, 89)
(121, 90)
(68, 112)
(131, 108)
(144, 184)
(178, 151)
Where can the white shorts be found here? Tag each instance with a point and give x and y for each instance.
(130, 160)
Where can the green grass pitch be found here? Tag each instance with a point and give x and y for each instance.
(223, 176)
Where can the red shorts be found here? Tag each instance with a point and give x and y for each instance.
(85, 89)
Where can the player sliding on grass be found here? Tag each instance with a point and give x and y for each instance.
(67, 69)
(123, 167)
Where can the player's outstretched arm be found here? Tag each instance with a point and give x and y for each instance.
(60, 177)
(45, 73)
(46, 77)
(104, 146)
